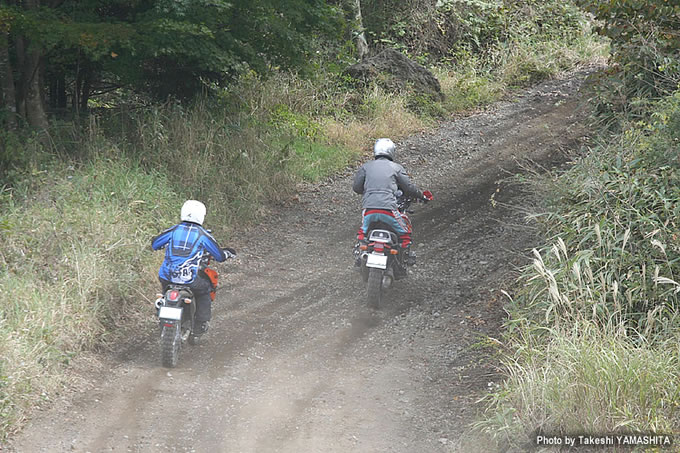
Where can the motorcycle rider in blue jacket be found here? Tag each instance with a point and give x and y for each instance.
(185, 244)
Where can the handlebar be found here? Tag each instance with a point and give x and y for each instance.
(208, 257)
(403, 201)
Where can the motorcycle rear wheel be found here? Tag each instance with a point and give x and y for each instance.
(171, 342)
(364, 273)
(374, 287)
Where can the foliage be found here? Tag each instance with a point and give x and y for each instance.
(593, 329)
(469, 88)
(13, 154)
(615, 229)
(70, 266)
(164, 47)
(645, 51)
(583, 380)
(441, 30)
(476, 80)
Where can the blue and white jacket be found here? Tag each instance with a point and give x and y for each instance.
(185, 245)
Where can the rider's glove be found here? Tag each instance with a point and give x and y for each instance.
(427, 196)
(230, 252)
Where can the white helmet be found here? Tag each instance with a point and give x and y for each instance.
(384, 147)
(193, 211)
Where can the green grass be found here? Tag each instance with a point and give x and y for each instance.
(523, 60)
(593, 329)
(467, 88)
(75, 268)
(583, 379)
(314, 161)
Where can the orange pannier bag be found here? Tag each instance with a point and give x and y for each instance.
(212, 275)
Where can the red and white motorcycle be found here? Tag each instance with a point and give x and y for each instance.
(383, 260)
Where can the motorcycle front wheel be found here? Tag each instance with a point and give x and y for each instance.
(374, 287)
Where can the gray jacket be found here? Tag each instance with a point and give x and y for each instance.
(378, 180)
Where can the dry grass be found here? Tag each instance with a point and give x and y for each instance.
(386, 116)
(593, 331)
(75, 265)
(581, 378)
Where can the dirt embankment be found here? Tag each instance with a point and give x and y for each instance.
(294, 362)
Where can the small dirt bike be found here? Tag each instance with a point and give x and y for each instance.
(383, 260)
(176, 311)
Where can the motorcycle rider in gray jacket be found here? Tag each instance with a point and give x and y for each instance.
(378, 181)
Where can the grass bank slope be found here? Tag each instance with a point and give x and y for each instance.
(593, 334)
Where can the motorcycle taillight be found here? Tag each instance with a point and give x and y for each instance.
(173, 295)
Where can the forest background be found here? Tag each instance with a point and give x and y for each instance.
(115, 112)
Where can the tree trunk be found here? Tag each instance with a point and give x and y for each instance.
(52, 96)
(9, 101)
(358, 34)
(35, 110)
(57, 96)
(85, 93)
(61, 92)
(20, 90)
(77, 87)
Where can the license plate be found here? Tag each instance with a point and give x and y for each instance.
(170, 313)
(375, 260)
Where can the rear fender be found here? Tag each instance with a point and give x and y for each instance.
(383, 236)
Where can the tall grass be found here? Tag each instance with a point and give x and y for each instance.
(253, 144)
(614, 226)
(522, 60)
(593, 332)
(74, 265)
(581, 378)
(525, 61)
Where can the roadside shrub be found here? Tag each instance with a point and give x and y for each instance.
(75, 265)
(615, 228)
(593, 330)
(20, 151)
(645, 61)
(441, 30)
(583, 379)
(468, 88)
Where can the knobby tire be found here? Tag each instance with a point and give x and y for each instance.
(171, 342)
(374, 287)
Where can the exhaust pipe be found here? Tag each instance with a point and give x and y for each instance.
(158, 303)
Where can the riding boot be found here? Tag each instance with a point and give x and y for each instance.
(400, 270)
(409, 256)
(202, 327)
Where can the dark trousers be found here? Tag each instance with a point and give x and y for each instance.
(201, 288)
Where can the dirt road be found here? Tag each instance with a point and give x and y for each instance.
(295, 362)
